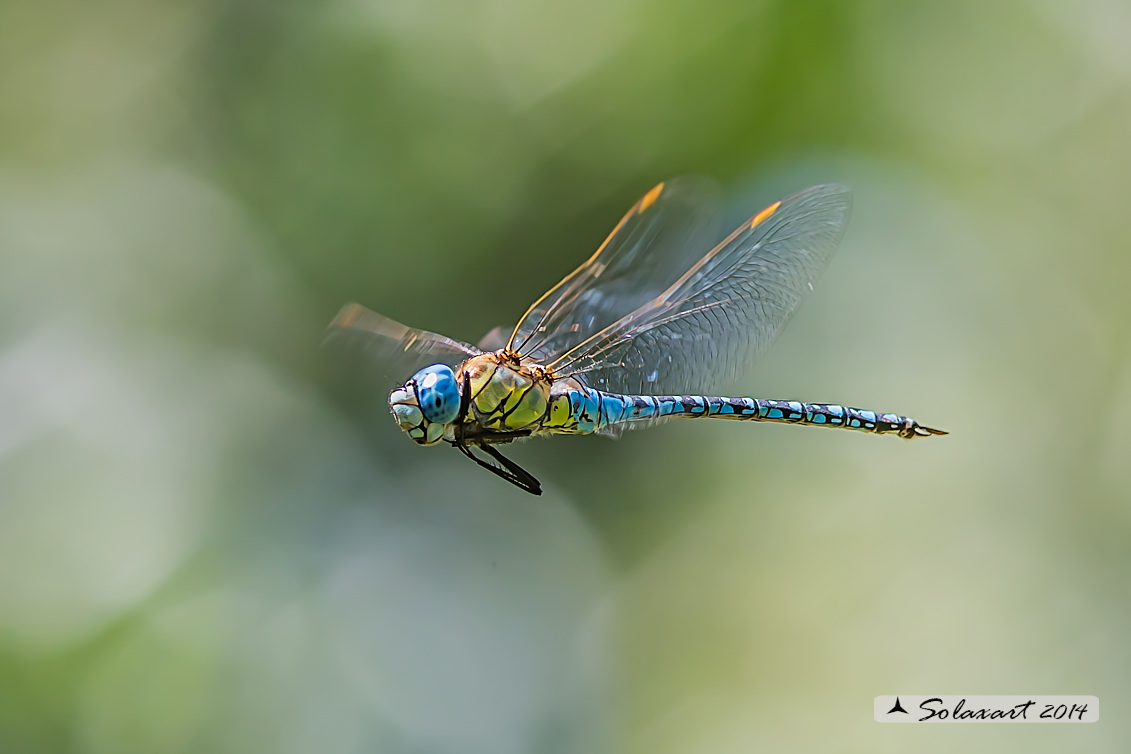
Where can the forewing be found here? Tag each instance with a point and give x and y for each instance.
(393, 351)
(710, 325)
(646, 252)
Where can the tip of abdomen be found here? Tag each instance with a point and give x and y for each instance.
(914, 429)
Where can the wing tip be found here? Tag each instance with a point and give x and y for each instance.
(342, 322)
(834, 197)
(831, 190)
(346, 316)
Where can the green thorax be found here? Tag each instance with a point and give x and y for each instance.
(505, 396)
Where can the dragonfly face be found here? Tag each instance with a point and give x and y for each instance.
(426, 404)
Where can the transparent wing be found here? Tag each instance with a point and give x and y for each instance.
(394, 351)
(711, 324)
(646, 252)
(495, 339)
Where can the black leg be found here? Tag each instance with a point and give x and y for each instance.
(526, 479)
(507, 469)
(464, 399)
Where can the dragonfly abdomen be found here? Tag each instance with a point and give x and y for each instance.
(818, 415)
(594, 410)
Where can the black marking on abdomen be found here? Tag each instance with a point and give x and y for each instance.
(761, 409)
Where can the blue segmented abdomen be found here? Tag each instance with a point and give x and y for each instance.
(594, 410)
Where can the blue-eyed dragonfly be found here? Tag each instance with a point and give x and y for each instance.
(643, 331)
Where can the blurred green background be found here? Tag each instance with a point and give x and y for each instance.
(212, 538)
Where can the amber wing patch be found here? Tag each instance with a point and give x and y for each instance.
(650, 198)
(758, 218)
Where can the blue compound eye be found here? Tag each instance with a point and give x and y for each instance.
(437, 392)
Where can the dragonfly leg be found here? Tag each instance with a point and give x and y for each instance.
(464, 400)
(506, 468)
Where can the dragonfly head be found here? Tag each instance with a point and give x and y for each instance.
(426, 404)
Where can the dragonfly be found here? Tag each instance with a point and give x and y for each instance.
(642, 332)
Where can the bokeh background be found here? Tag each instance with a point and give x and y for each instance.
(213, 537)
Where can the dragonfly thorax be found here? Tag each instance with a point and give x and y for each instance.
(507, 394)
